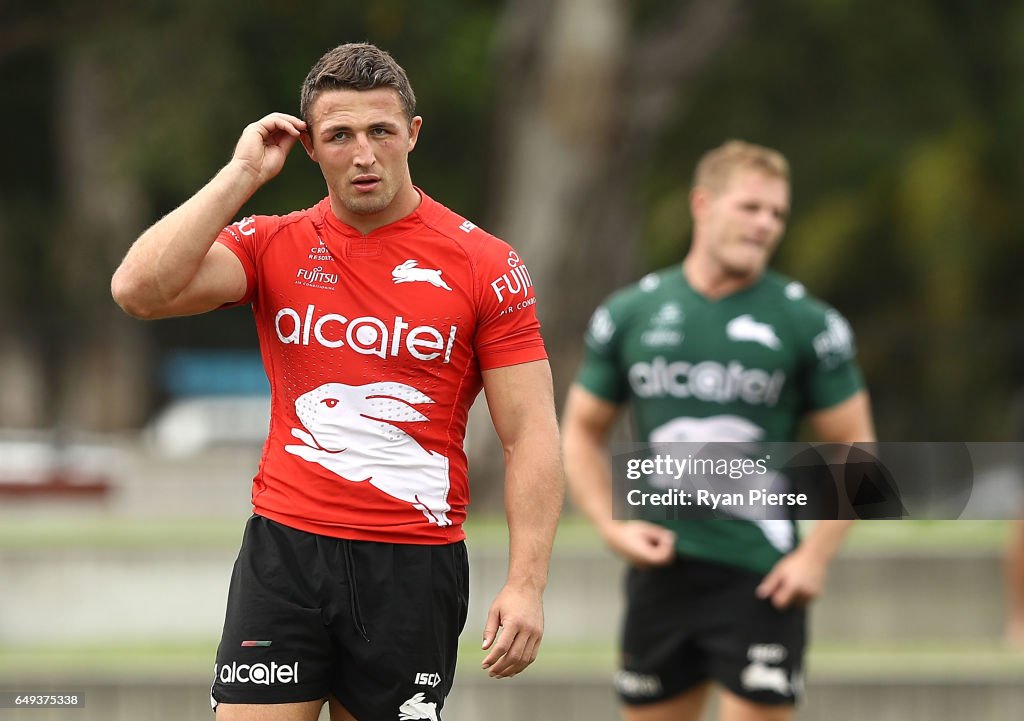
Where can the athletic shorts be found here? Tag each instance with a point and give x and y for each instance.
(695, 621)
(374, 624)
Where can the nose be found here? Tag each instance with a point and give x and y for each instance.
(363, 156)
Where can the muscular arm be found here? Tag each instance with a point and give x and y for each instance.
(585, 425)
(800, 577)
(175, 267)
(522, 408)
(846, 422)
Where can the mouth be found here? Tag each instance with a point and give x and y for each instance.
(760, 243)
(366, 183)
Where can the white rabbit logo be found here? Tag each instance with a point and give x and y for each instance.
(417, 708)
(757, 676)
(348, 432)
(408, 272)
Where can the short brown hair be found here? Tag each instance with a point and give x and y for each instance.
(718, 164)
(356, 66)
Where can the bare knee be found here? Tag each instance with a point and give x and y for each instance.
(687, 706)
(735, 708)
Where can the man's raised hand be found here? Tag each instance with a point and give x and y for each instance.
(265, 144)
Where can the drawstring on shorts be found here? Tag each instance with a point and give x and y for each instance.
(353, 591)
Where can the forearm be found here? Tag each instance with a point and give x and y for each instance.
(589, 477)
(533, 503)
(825, 539)
(847, 422)
(165, 258)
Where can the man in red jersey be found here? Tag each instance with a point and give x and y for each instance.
(381, 314)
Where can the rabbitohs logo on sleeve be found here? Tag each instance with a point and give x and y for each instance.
(834, 345)
(602, 327)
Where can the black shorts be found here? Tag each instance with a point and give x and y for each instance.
(374, 624)
(695, 621)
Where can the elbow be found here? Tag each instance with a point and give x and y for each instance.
(127, 293)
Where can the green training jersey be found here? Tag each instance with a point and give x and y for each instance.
(745, 367)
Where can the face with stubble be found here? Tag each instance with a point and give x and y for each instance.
(362, 139)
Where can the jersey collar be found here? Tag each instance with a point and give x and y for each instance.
(425, 211)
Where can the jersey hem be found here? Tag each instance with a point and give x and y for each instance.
(451, 534)
(512, 357)
(248, 268)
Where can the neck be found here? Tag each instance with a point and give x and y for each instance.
(713, 281)
(404, 203)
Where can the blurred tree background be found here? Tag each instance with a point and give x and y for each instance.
(568, 127)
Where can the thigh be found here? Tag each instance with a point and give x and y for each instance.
(274, 648)
(735, 708)
(408, 605)
(660, 658)
(687, 706)
(339, 712)
(757, 651)
(308, 711)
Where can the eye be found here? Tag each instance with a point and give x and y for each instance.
(379, 132)
(341, 135)
(330, 402)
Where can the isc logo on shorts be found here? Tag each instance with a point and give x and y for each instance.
(259, 673)
(427, 679)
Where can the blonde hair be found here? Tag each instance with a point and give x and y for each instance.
(718, 164)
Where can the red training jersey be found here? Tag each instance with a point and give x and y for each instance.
(374, 346)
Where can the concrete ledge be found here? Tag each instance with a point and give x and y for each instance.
(105, 595)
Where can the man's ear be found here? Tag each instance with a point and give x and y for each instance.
(307, 142)
(699, 199)
(414, 131)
